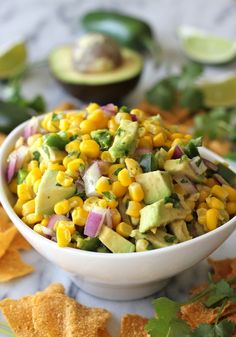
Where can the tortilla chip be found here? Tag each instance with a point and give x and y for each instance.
(103, 333)
(223, 268)
(12, 266)
(5, 222)
(196, 313)
(69, 317)
(19, 243)
(6, 238)
(19, 312)
(133, 326)
(55, 288)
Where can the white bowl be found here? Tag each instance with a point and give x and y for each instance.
(116, 276)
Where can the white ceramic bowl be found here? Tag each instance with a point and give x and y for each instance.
(116, 276)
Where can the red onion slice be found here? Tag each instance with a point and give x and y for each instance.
(134, 118)
(109, 109)
(210, 165)
(15, 161)
(31, 128)
(54, 218)
(47, 231)
(11, 167)
(220, 179)
(178, 152)
(186, 184)
(108, 218)
(90, 178)
(198, 165)
(94, 222)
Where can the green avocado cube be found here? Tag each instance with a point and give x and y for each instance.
(115, 242)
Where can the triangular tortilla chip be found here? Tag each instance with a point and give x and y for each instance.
(19, 243)
(6, 238)
(5, 222)
(223, 269)
(12, 266)
(133, 326)
(69, 318)
(103, 333)
(19, 312)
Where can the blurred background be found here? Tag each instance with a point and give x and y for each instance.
(196, 34)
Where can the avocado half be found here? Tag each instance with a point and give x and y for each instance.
(100, 87)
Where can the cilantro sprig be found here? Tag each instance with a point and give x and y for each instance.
(178, 89)
(168, 323)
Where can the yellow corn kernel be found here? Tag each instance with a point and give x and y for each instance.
(32, 140)
(112, 125)
(211, 182)
(231, 192)
(103, 185)
(139, 113)
(212, 218)
(91, 202)
(133, 209)
(145, 142)
(33, 218)
(79, 216)
(24, 192)
(190, 203)
(38, 229)
(44, 222)
(114, 169)
(202, 205)
(63, 179)
(69, 158)
(98, 118)
(188, 137)
(159, 140)
(203, 195)
(133, 167)
(90, 148)
(214, 202)
(116, 217)
(87, 126)
(170, 152)
(73, 146)
(62, 207)
(92, 107)
(13, 186)
(169, 143)
(28, 207)
(75, 164)
(64, 124)
(52, 126)
(32, 164)
(63, 236)
(118, 189)
(141, 245)
(219, 192)
(85, 137)
(105, 156)
(56, 167)
(66, 224)
(124, 229)
(189, 217)
(231, 207)
(142, 131)
(175, 135)
(43, 166)
(201, 213)
(75, 201)
(124, 177)
(18, 206)
(179, 141)
(33, 176)
(102, 203)
(136, 192)
(113, 203)
(122, 115)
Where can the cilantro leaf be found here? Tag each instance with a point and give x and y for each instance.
(224, 329)
(192, 98)
(205, 330)
(220, 291)
(162, 94)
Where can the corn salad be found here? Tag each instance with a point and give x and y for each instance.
(110, 179)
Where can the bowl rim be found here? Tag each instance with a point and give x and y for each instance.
(5, 150)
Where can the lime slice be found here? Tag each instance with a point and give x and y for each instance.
(13, 57)
(202, 47)
(219, 93)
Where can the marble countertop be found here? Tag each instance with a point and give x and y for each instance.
(47, 23)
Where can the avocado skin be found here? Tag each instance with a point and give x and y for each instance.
(112, 92)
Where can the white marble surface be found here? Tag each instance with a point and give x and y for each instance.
(47, 23)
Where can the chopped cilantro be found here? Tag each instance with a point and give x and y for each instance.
(117, 171)
(36, 155)
(109, 196)
(124, 109)
(174, 199)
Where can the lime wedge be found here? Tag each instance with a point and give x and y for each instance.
(219, 93)
(202, 47)
(13, 57)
